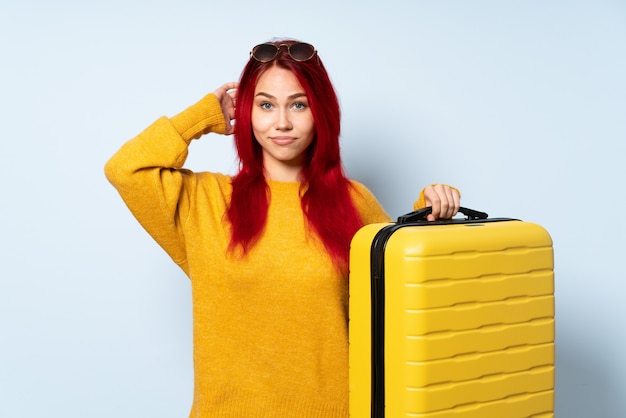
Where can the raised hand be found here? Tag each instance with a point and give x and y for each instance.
(227, 96)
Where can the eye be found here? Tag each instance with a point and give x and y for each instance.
(265, 106)
(299, 106)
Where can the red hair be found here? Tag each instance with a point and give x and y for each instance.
(326, 201)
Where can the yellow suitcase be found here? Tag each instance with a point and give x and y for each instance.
(452, 319)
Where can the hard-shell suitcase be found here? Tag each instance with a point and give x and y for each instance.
(452, 319)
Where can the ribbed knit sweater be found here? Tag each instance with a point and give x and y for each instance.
(270, 329)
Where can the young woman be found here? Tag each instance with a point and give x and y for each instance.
(267, 249)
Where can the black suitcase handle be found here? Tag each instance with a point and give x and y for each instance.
(420, 215)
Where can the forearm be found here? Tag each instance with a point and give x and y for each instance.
(199, 119)
(164, 143)
(147, 172)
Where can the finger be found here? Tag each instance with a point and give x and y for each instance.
(450, 209)
(224, 89)
(452, 202)
(457, 201)
(230, 127)
(444, 201)
(230, 121)
(230, 86)
(232, 93)
(433, 200)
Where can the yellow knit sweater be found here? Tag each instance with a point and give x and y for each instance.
(270, 330)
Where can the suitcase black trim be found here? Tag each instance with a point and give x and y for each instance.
(377, 283)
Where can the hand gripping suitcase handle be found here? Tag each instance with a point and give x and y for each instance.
(420, 215)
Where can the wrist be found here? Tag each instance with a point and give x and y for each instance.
(201, 118)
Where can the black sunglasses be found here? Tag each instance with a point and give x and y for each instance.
(299, 51)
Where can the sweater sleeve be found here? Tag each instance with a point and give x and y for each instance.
(367, 205)
(147, 172)
(371, 211)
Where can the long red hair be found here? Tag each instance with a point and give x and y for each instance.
(326, 202)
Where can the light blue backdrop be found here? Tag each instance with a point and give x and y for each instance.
(520, 104)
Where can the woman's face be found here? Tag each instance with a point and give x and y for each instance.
(282, 123)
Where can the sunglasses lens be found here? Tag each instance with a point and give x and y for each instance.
(302, 51)
(298, 51)
(265, 52)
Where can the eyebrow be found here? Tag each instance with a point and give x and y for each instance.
(269, 96)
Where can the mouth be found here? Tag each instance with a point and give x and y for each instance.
(282, 140)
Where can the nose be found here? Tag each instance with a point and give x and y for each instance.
(283, 123)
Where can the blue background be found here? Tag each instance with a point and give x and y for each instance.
(520, 104)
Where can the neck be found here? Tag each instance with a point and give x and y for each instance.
(284, 173)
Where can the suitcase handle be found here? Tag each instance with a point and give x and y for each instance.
(420, 215)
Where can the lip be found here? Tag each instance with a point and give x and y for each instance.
(282, 140)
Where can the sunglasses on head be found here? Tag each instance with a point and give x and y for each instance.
(299, 51)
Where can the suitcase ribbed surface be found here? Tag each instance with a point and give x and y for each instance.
(468, 322)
